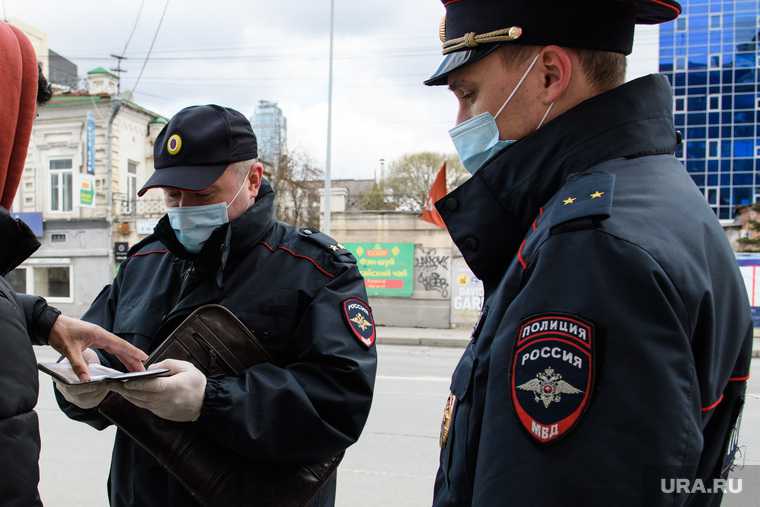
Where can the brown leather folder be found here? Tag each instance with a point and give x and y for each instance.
(217, 343)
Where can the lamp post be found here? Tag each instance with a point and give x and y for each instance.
(327, 225)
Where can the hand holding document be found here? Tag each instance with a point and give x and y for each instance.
(89, 394)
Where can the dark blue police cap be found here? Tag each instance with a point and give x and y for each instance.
(196, 146)
(473, 29)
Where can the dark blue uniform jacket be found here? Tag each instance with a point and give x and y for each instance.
(615, 340)
(295, 290)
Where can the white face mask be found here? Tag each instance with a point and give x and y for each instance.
(477, 139)
(195, 224)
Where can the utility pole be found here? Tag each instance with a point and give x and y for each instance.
(328, 160)
(118, 70)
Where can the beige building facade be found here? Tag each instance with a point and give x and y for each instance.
(80, 185)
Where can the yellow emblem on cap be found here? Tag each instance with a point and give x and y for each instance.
(174, 144)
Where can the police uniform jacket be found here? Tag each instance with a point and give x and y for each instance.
(24, 320)
(301, 295)
(614, 344)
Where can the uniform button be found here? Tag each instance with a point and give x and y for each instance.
(307, 231)
(451, 204)
(471, 243)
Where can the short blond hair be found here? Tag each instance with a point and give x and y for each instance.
(604, 70)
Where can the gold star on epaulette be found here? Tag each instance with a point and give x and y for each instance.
(569, 201)
(597, 195)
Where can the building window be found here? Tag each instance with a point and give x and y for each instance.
(713, 149)
(680, 104)
(712, 195)
(53, 282)
(58, 238)
(714, 103)
(716, 21)
(682, 24)
(680, 63)
(61, 185)
(131, 187)
(715, 61)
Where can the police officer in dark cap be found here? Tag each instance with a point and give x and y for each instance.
(613, 350)
(298, 290)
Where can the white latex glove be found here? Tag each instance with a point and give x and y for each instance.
(176, 398)
(86, 396)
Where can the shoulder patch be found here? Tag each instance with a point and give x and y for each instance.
(358, 317)
(552, 374)
(327, 243)
(584, 195)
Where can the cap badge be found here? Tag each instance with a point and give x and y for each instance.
(174, 144)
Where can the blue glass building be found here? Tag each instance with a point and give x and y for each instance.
(710, 55)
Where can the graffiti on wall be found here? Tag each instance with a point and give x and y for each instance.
(432, 268)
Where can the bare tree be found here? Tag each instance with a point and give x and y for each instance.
(297, 198)
(412, 175)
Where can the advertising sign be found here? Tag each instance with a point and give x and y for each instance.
(387, 268)
(87, 191)
(90, 143)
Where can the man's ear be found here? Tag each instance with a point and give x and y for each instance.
(556, 66)
(255, 176)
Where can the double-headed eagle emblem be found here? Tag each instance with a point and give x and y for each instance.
(360, 321)
(548, 387)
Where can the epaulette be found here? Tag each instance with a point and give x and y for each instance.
(586, 198)
(144, 242)
(327, 243)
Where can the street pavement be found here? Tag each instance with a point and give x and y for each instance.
(393, 464)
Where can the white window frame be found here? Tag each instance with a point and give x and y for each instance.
(60, 173)
(131, 179)
(717, 143)
(686, 104)
(709, 103)
(720, 21)
(685, 20)
(30, 264)
(719, 56)
(717, 196)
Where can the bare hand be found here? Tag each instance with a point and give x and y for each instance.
(71, 337)
(177, 398)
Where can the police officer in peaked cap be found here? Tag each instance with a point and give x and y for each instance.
(297, 290)
(614, 346)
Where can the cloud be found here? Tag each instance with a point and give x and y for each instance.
(236, 52)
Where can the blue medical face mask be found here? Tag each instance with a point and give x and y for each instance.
(477, 139)
(195, 224)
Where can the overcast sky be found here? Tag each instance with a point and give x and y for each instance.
(237, 52)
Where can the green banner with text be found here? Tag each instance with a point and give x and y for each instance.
(387, 268)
